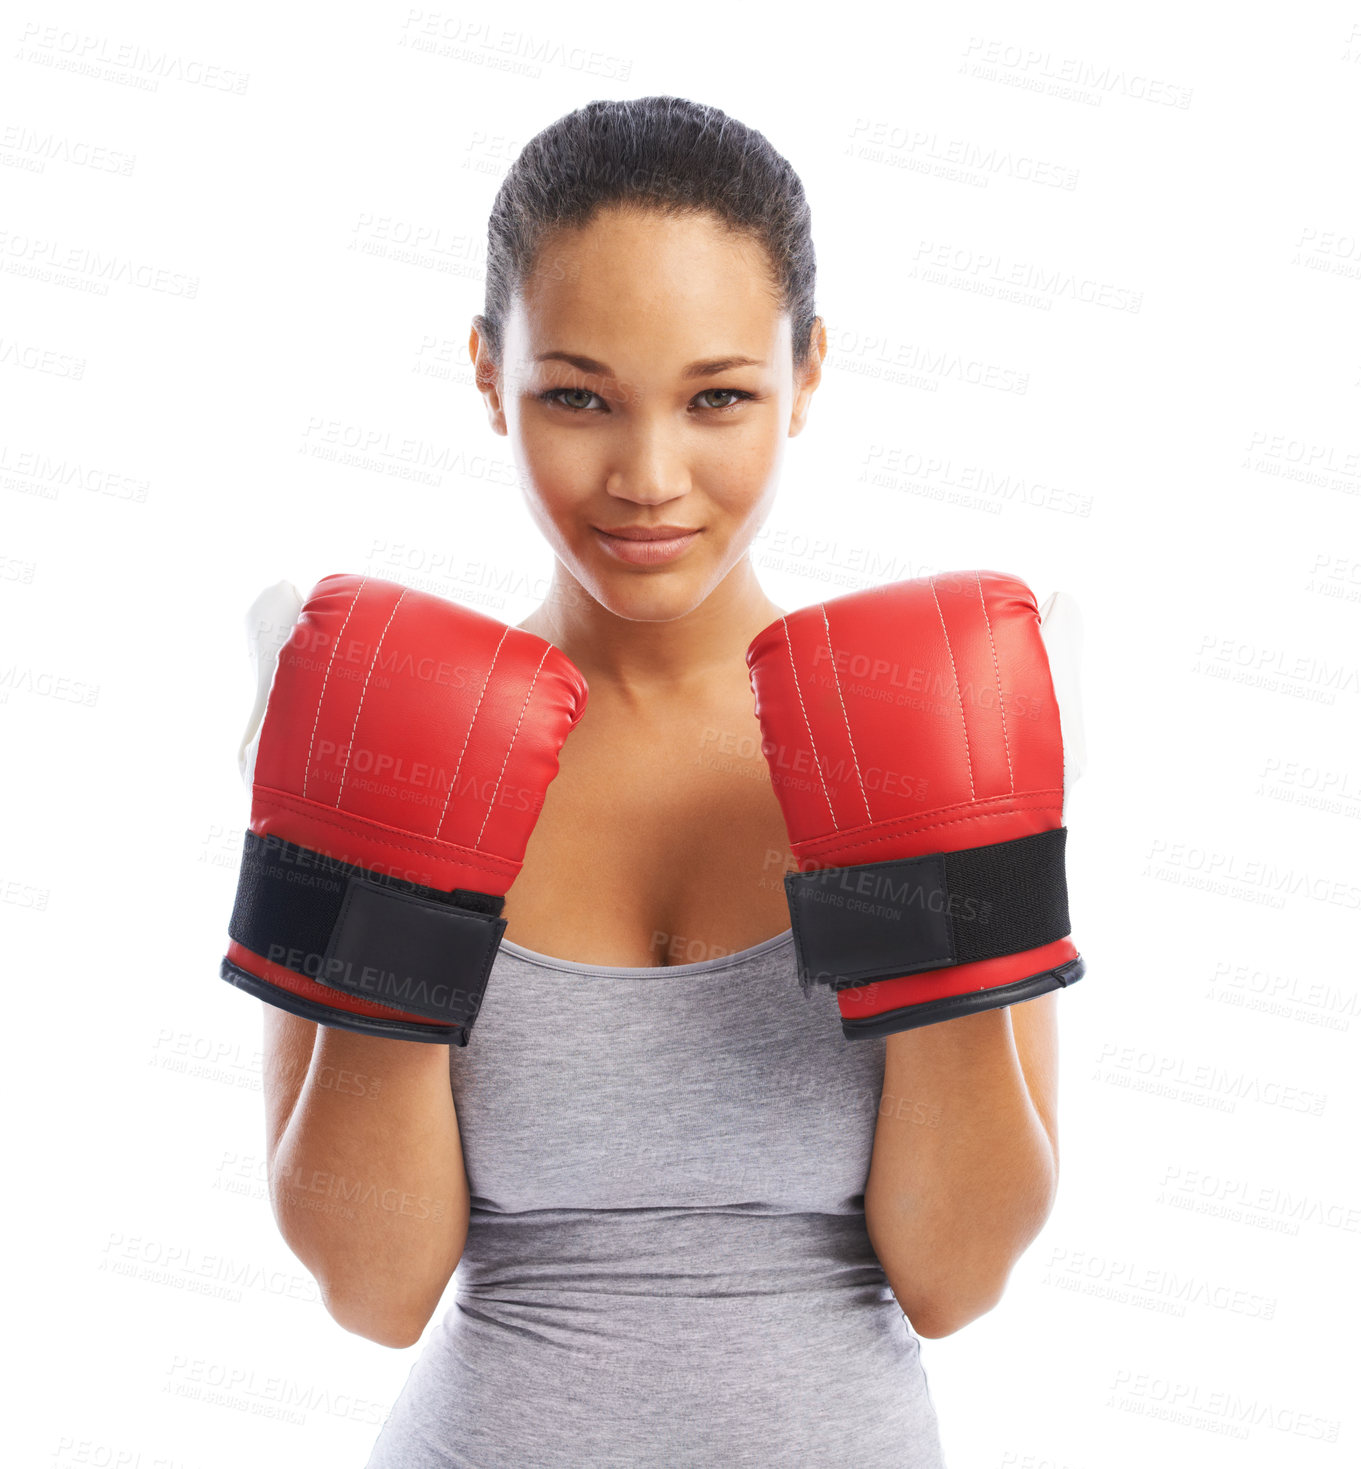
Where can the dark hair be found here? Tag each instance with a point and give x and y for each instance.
(663, 154)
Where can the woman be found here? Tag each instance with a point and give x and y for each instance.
(654, 1160)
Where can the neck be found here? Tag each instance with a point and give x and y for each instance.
(647, 659)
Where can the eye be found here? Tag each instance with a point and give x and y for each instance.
(736, 393)
(551, 396)
(558, 397)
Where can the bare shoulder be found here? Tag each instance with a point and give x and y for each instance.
(1035, 1024)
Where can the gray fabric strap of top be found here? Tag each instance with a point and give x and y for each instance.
(881, 920)
(366, 934)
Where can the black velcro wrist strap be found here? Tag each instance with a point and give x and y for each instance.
(366, 934)
(880, 920)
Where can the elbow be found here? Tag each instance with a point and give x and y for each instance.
(397, 1335)
(943, 1318)
(388, 1309)
(942, 1313)
(361, 1307)
(980, 1286)
(931, 1329)
(389, 1324)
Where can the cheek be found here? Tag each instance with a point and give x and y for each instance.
(556, 518)
(750, 453)
(561, 476)
(743, 482)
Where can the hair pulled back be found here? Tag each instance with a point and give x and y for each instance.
(663, 154)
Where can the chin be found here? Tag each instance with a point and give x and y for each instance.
(650, 598)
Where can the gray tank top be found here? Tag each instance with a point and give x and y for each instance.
(667, 1262)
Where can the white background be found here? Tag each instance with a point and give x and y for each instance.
(1092, 281)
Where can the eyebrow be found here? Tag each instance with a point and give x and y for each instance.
(707, 368)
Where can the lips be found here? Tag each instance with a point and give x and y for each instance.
(649, 532)
(646, 545)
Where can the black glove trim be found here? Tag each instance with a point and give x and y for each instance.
(947, 1007)
(880, 920)
(367, 934)
(399, 1030)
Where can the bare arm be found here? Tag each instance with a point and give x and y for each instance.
(965, 1162)
(366, 1172)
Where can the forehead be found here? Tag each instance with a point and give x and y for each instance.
(628, 282)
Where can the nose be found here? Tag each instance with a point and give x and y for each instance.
(648, 466)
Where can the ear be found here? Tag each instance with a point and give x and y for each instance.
(1061, 632)
(809, 379)
(486, 375)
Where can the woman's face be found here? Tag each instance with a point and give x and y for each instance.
(647, 381)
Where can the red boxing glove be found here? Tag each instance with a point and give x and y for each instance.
(913, 739)
(406, 748)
